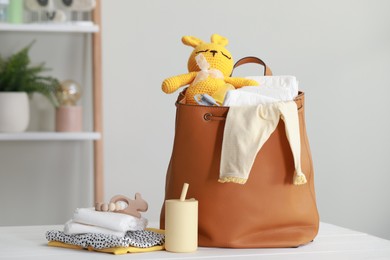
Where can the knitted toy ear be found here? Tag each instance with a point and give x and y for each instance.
(191, 41)
(218, 39)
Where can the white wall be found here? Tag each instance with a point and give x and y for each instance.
(339, 50)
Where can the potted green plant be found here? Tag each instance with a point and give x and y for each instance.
(18, 79)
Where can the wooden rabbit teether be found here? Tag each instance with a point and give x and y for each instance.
(133, 206)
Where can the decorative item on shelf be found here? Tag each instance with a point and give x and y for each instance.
(14, 111)
(60, 10)
(15, 11)
(18, 78)
(80, 10)
(44, 11)
(69, 116)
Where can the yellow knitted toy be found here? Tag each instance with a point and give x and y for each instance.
(209, 66)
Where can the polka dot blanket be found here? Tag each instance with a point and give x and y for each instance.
(140, 239)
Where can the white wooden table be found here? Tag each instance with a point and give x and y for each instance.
(332, 242)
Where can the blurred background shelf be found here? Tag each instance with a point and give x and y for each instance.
(84, 43)
(50, 136)
(73, 27)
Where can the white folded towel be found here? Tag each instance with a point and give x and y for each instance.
(283, 88)
(270, 89)
(71, 228)
(110, 220)
(244, 98)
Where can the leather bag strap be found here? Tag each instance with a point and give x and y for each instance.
(251, 59)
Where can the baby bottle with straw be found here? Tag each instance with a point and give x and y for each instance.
(181, 223)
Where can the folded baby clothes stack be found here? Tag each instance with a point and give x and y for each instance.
(110, 232)
(109, 220)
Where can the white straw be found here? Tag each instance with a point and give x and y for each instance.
(184, 192)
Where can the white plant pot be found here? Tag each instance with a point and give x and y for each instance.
(14, 112)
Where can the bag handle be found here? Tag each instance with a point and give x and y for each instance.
(251, 59)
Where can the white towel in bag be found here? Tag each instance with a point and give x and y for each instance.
(271, 89)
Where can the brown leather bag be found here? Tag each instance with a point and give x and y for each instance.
(267, 211)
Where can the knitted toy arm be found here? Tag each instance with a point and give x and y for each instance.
(171, 84)
(241, 82)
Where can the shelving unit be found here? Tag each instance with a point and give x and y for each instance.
(96, 134)
(49, 136)
(83, 27)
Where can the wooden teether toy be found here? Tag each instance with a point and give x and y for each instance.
(116, 205)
